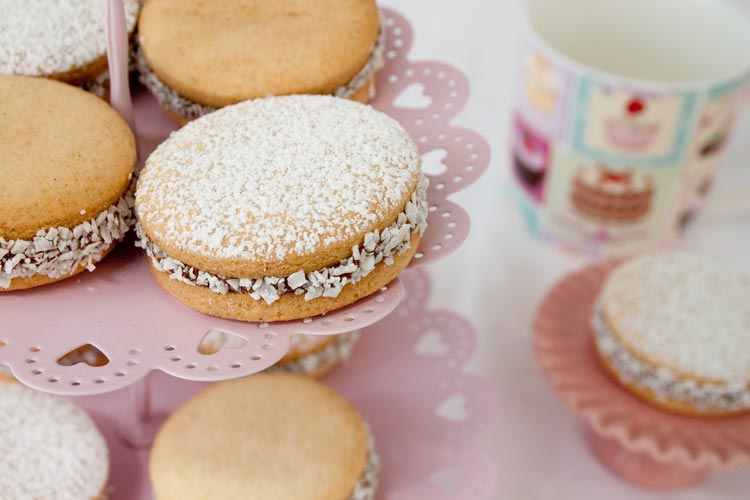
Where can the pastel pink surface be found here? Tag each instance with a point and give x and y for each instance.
(685, 445)
(406, 378)
(120, 310)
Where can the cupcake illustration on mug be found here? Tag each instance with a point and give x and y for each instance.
(603, 194)
(623, 122)
(541, 83)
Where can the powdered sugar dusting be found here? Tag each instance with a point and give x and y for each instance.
(683, 311)
(44, 37)
(269, 178)
(51, 448)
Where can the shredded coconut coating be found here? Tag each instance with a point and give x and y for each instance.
(175, 102)
(684, 312)
(337, 351)
(50, 448)
(378, 246)
(271, 178)
(46, 37)
(367, 485)
(60, 251)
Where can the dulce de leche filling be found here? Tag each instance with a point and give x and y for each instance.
(666, 385)
(172, 100)
(378, 246)
(60, 251)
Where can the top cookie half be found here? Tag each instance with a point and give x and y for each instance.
(220, 53)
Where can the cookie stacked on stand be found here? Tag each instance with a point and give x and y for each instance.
(672, 329)
(64, 41)
(67, 196)
(196, 57)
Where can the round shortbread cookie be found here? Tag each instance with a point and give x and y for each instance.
(64, 40)
(67, 169)
(282, 208)
(263, 437)
(678, 325)
(51, 448)
(220, 53)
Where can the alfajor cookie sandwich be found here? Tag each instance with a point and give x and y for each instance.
(51, 448)
(317, 355)
(66, 195)
(196, 56)
(62, 40)
(282, 208)
(265, 437)
(674, 329)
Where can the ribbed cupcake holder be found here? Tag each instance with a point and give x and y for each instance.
(641, 443)
(119, 312)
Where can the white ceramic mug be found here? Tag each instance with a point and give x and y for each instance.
(623, 110)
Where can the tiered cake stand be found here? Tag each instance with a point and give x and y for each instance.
(119, 312)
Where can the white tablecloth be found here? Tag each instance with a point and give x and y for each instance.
(501, 273)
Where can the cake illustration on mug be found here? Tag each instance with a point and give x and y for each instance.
(608, 195)
(620, 121)
(673, 329)
(541, 83)
(530, 158)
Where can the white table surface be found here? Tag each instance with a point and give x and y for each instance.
(501, 273)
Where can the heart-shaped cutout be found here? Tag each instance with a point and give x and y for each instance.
(432, 162)
(453, 408)
(216, 340)
(87, 353)
(448, 480)
(413, 97)
(431, 344)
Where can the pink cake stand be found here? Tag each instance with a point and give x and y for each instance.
(643, 444)
(406, 378)
(121, 313)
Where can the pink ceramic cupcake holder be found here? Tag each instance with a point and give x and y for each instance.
(120, 311)
(406, 378)
(643, 444)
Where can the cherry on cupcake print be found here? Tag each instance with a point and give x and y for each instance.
(619, 122)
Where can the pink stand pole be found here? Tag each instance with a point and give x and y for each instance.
(117, 59)
(139, 431)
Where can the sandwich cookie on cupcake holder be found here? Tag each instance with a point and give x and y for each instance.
(66, 196)
(282, 208)
(317, 355)
(51, 448)
(674, 329)
(64, 40)
(196, 57)
(265, 437)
